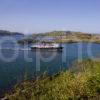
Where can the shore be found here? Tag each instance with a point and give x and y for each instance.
(62, 37)
(82, 81)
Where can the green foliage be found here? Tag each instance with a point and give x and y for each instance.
(82, 82)
(26, 41)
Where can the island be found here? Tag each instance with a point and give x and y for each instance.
(62, 37)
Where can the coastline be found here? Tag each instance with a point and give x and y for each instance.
(74, 83)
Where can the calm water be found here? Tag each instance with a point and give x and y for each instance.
(15, 71)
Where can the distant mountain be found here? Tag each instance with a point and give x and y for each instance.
(8, 33)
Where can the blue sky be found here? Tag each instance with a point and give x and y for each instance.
(30, 16)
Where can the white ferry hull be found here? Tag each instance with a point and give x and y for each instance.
(43, 47)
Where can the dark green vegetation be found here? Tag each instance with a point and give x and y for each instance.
(27, 41)
(81, 82)
(64, 37)
(8, 33)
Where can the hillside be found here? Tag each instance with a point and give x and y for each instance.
(8, 33)
(63, 37)
(81, 82)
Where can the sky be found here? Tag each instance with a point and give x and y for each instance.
(35, 16)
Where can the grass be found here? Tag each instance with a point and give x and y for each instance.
(81, 82)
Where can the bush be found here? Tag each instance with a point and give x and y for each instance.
(82, 82)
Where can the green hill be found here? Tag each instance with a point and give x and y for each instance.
(81, 82)
(64, 37)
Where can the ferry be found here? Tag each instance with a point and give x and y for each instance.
(49, 46)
